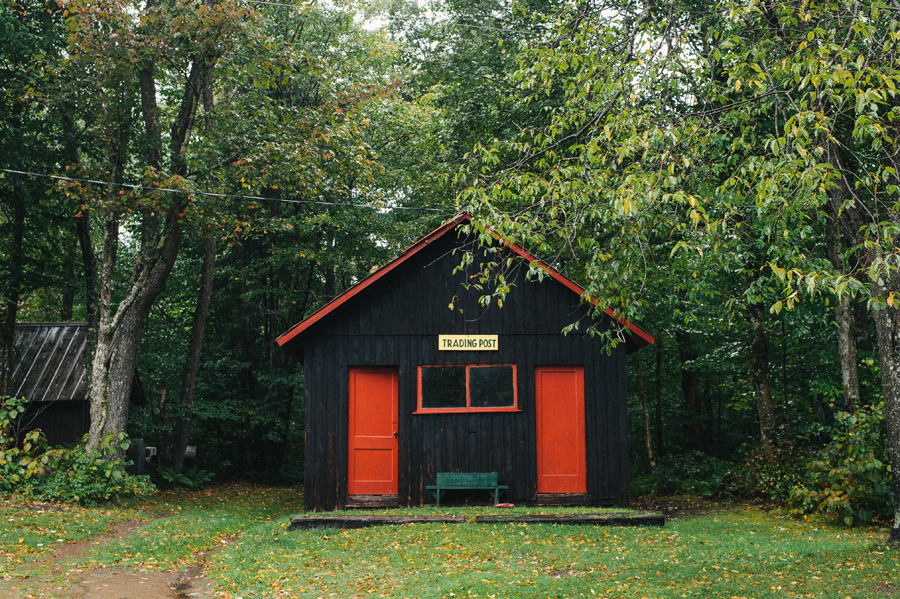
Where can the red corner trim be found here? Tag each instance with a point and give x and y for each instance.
(462, 217)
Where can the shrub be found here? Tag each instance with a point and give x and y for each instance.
(692, 473)
(58, 474)
(17, 464)
(850, 481)
(76, 476)
(773, 474)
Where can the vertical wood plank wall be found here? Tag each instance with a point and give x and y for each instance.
(397, 323)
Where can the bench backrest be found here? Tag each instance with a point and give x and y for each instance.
(467, 479)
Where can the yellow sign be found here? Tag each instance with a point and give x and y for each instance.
(468, 342)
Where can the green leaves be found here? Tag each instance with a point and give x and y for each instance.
(733, 149)
(850, 481)
(71, 475)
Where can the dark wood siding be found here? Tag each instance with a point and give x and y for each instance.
(63, 422)
(397, 324)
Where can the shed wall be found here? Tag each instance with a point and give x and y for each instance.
(502, 442)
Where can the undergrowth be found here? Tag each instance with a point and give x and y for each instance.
(34, 470)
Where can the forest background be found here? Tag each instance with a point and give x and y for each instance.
(194, 177)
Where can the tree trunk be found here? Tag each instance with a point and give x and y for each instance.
(659, 433)
(15, 288)
(330, 283)
(164, 422)
(762, 385)
(687, 354)
(67, 303)
(119, 337)
(192, 364)
(201, 313)
(844, 321)
(89, 260)
(247, 337)
(882, 268)
(644, 404)
(887, 327)
(861, 322)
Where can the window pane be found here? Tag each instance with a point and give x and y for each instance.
(444, 387)
(492, 387)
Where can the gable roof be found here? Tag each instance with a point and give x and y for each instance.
(49, 361)
(640, 338)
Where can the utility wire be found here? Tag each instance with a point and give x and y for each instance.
(275, 4)
(230, 196)
(411, 17)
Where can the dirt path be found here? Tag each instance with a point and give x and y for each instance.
(106, 583)
(122, 583)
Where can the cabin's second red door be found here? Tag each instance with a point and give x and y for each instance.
(373, 444)
(559, 399)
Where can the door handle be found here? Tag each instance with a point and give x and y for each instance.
(395, 434)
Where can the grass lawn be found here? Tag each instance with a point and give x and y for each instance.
(730, 551)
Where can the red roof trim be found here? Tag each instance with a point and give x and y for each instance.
(575, 287)
(349, 293)
(457, 220)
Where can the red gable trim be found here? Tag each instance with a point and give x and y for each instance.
(345, 296)
(451, 224)
(575, 287)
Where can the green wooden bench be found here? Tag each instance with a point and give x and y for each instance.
(466, 480)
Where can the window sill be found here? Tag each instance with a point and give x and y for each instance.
(463, 410)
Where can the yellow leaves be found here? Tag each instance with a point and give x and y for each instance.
(695, 217)
(781, 273)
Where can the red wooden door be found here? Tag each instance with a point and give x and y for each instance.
(560, 429)
(373, 450)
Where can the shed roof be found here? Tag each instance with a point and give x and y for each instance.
(49, 361)
(639, 338)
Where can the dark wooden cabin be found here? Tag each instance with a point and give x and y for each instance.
(48, 370)
(399, 386)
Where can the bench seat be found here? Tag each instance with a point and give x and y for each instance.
(466, 480)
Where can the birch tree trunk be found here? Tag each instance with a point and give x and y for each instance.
(119, 333)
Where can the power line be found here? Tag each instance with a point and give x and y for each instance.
(411, 17)
(275, 4)
(230, 196)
